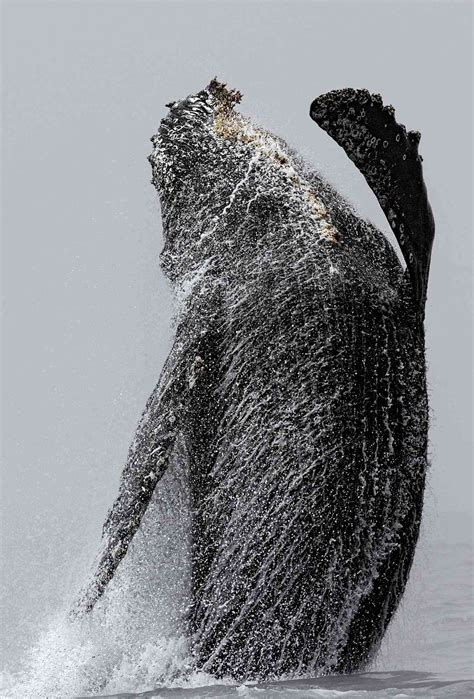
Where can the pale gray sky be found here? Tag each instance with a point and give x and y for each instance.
(86, 310)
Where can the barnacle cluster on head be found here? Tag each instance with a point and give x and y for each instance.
(224, 98)
(230, 125)
(227, 122)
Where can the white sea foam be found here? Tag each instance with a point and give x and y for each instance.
(130, 648)
(136, 636)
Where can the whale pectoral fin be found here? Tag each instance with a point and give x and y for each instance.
(147, 461)
(388, 158)
(143, 471)
(137, 486)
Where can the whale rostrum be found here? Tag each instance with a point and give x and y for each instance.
(296, 382)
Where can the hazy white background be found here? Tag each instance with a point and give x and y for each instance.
(87, 312)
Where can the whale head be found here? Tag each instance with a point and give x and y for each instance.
(214, 170)
(188, 140)
(189, 161)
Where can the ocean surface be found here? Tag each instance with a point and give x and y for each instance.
(375, 684)
(427, 652)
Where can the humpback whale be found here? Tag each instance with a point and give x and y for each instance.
(296, 386)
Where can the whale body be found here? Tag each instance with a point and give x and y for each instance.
(295, 387)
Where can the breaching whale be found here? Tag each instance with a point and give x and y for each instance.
(296, 383)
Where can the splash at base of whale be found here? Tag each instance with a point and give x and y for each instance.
(294, 397)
